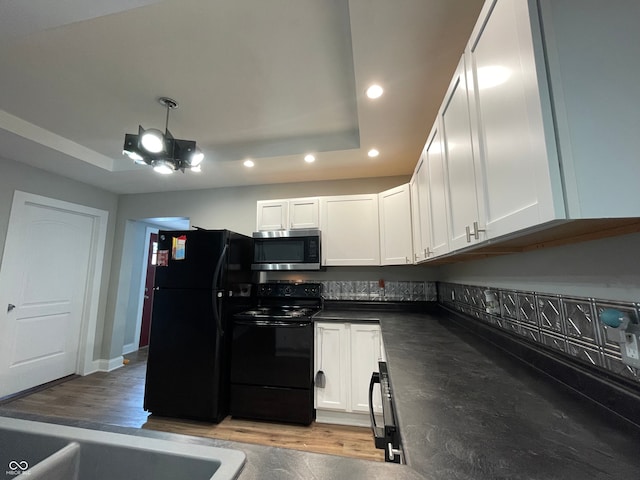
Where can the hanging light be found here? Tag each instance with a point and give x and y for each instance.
(152, 140)
(196, 158)
(163, 166)
(160, 150)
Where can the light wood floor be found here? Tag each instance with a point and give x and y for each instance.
(116, 397)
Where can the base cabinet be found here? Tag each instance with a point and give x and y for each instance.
(346, 356)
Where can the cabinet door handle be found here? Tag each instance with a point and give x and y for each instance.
(477, 230)
(468, 232)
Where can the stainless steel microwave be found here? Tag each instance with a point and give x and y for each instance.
(286, 250)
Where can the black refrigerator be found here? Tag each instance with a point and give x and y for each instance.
(202, 278)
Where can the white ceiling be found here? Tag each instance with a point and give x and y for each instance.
(269, 80)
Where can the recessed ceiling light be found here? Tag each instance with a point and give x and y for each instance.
(248, 163)
(309, 158)
(374, 91)
(373, 153)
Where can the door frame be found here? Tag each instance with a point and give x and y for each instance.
(132, 347)
(85, 362)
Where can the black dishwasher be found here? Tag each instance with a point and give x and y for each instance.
(387, 434)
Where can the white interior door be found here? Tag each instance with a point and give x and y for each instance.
(46, 280)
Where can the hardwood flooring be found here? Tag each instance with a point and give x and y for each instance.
(116, 397)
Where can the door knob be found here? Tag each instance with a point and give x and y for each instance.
(10, 307)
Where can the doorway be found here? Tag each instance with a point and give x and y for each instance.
(140, 308)
(147, 303)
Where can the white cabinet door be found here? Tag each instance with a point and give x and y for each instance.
(288, 214)
(332, 357)
(462, 200)
(272, 215)
(420, 211)
(416, 214)
(433, 185)
(366, 351)
(304, 213)
(396, 246)
(510, 141)
(350, 233)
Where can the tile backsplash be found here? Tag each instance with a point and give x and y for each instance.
(569, 325)
(389, 291)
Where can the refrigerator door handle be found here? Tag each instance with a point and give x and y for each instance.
(214, 292)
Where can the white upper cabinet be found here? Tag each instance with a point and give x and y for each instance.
(433, 182)
(396, 246)
(288, 214)
(465, 225)
(554, 119)
(416, 216)
(517, 170)
(428, 201)
(272, 215)
(304, 213)
(350, 233)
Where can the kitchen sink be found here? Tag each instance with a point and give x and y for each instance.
(41, 451)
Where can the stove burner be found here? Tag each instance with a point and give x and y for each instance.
(279, 312)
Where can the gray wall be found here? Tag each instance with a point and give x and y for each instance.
(18, 176)
(607, 269)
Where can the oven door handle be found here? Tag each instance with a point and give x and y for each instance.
(378, 432)
(272, 323)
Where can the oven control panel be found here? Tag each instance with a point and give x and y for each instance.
(297, 290)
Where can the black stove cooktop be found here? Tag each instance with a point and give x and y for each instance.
(279, 312)
(285, 301)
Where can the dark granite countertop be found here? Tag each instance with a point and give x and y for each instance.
(347, 316)
(466, 410)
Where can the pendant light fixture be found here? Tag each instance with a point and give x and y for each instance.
(160, 150)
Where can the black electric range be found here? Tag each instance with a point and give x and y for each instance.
(272, 354)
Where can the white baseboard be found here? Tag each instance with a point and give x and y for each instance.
(129, 347)
(108, 365)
